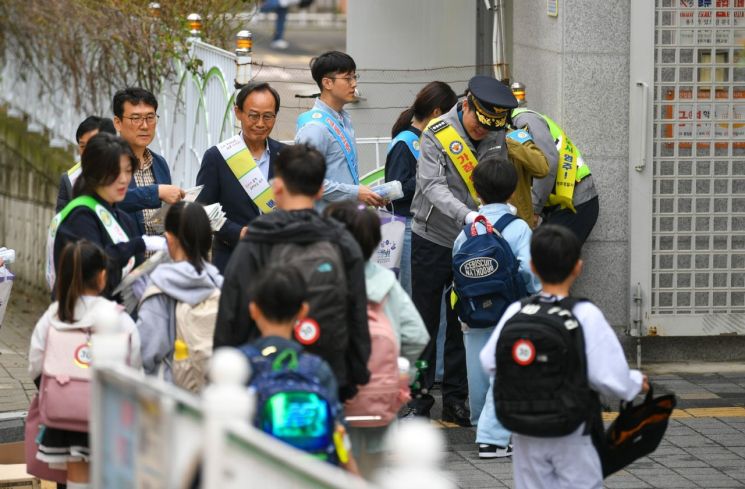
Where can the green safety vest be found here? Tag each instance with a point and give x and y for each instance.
(572, 167)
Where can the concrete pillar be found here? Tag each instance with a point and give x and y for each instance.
(576, 69)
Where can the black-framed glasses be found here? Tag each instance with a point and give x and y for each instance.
(267, 117)
(137, 120)
(348, 78)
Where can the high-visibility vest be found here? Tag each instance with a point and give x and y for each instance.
(572, 167)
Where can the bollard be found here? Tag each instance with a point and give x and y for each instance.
(417, 450)
(109, 344)
(243, 47)
(224, 400)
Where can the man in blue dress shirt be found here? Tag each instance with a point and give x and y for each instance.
(328, 128)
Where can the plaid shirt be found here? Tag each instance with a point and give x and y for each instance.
(144, 176)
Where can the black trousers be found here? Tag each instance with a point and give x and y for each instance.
(581, 222)
(431, 273)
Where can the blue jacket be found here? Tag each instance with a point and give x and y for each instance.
(220, 185)
(146, 197)
(517, 234)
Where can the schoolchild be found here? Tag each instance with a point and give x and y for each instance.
(82, 278)
(94, 214)
(188, 281)
(327, 255)
(569, 461)
(435, 99)
(278, 302)
(495, 181)
(328, 128)
(399, 311)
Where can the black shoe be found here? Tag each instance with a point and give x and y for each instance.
(494, 451)
(419, 406)
(456, 413)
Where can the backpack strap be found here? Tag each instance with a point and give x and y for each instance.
(504, 221)
(150, 291)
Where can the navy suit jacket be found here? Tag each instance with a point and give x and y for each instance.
(220, 185)
(146, 197)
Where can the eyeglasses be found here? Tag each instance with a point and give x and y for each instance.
(267, 117)
(137, 120)
(348, 79)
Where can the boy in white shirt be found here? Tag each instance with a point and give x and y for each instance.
(569, 461)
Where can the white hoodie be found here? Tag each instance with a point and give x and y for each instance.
(85, 310)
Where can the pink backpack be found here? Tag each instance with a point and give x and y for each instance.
(64, 394)
(386, 392)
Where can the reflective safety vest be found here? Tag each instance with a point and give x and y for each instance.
(411, 140)
(572, 167)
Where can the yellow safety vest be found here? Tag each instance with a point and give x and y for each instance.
(572, 167)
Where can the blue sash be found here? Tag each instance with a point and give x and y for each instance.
(317, 116)
(411, 140)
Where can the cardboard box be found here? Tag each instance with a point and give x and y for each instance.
(14, 476)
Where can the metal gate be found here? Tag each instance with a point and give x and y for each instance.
(687, 175)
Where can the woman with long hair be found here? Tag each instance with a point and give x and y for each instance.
(433, 100)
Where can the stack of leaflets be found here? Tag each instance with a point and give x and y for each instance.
(133, 284)
(214, 211)
(216, 215)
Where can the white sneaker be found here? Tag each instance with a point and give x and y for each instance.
(280, 44)
(494, 451)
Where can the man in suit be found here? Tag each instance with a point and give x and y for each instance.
(236, 172)
(135, 119)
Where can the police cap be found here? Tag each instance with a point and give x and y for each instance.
(491, 100)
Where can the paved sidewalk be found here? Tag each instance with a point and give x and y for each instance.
(704, 446)
(16, 388)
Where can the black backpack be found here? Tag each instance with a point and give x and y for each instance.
(324, 331)
(541, 387)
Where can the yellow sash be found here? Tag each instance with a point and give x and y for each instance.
(244, 167)
(460, 154)
(566, 175)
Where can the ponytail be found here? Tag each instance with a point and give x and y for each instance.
(79, 267)
(189, 223)
(403, 121)
(434, 95)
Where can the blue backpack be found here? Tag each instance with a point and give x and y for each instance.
(291, 404)
(485, 274)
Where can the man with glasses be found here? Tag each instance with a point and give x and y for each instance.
(236, 172)
(328, 128)
(135, 119)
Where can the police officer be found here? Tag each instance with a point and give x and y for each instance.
(444, 201)
(567, 195)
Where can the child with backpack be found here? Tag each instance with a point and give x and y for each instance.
(550, 356)
(490, 272)
(59, 359)
(325, 253)
(178, 307)
(296, 392)
(396, 329)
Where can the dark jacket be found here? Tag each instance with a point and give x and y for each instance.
(400, 165)
(146, 197)
(64, 194)
(220, 185)
(235, 327)
(82, 223)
